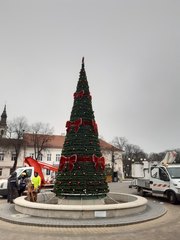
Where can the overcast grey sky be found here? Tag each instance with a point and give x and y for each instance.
(132, 60)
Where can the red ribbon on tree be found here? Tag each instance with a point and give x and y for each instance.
(76, 124)
(94, 126)
(99, 161)
(70, 160)
(81, 94)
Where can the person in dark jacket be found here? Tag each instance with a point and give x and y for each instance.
(12, 187)
(22, 183)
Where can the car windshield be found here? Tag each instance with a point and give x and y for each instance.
(19, 170)
(174, 172)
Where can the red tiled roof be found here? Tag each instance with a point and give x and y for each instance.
(53, 141)
(107, 146)
(57, 141)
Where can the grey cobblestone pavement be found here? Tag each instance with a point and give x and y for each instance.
(162, 228)
(153, 211)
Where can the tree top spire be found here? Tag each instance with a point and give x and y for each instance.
(83, 62)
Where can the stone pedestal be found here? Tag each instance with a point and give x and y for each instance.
(124, 205)
(66, 201)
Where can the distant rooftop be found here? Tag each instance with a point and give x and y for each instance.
(57, 141)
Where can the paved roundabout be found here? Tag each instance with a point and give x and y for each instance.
(153, 210)
(162, 228)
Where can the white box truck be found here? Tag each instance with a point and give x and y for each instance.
(159, 179)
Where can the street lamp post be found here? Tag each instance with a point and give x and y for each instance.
(112, 165)
(114, 173)
(129, 167)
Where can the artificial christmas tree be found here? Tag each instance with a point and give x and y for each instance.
(81, 169)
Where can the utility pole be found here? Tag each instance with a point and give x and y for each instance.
(112, 159)
(114, 173)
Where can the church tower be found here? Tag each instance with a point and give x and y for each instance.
(3, 123)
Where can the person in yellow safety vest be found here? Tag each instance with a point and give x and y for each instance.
(36, 182)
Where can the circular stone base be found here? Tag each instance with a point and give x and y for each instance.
(8, 213)
(123, 205)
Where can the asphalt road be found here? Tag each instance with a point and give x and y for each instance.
(166, 227)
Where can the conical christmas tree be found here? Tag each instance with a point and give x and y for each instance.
(81, 168)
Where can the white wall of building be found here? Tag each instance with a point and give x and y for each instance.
(6, 162)
(118, 163)
(52, 156)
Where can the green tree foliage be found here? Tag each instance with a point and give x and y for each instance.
(81, 169)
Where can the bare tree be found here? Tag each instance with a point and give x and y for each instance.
(130, 150)
(41, 135)
(157, 157)
(132, 153)
(16, 129)
(120, 142)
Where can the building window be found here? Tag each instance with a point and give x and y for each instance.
(1, 156)
(13, 157)
(0, 171)
(49, 157)
(48, 172)
(40, 157)
(58, 156)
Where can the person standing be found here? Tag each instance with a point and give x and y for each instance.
(12, 187)
(36, 181)
(22, 183)
(30, 191)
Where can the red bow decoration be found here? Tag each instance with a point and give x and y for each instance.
(70, 160)
(99, 161)
(79, 94)
(76, 124)
(94, 126)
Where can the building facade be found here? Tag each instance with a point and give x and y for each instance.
(51, 154)
(48, 148)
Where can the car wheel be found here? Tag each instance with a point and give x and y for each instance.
(172, 197)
